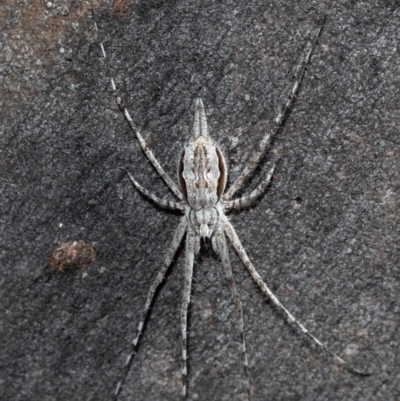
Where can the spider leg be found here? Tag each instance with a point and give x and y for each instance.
(237, 185)
(249, 199)
(299, 78)
(226, 263)
(259, 152)
(179, 233)
(230, 232)
(189, 261)
(172, 186)
(166, 203)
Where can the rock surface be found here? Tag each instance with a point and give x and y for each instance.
(326, 236)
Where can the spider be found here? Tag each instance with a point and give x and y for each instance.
(204, 202)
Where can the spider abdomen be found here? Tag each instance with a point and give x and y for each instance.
(200, 175)
(202, 168)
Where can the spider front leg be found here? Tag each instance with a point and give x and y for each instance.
(222, 247)
(191, 245)
(230, 232)
(178, 236)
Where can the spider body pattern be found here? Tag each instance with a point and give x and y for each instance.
(204, 202)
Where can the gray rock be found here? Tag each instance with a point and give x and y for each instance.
(325, 237)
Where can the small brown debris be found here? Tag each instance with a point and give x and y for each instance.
(70, 255)
(120, 7)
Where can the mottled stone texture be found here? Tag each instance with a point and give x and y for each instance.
(325, 237)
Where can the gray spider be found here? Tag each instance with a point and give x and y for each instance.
(202, 176)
